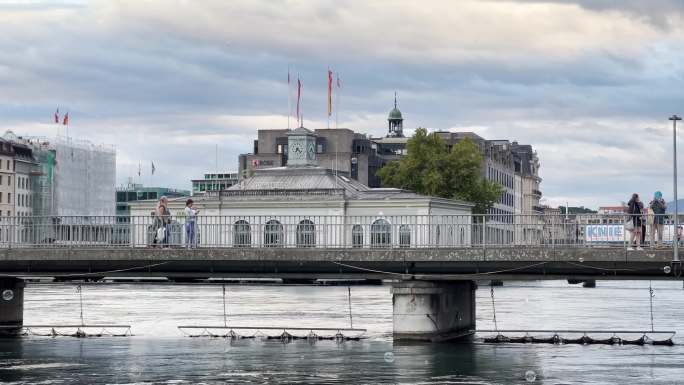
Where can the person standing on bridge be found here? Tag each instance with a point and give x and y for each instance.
(162, 219)
(190, 219)
(658, 206)
(635, 209)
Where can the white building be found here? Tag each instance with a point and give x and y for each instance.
(309, 206)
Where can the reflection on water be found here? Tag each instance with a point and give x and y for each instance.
(158, 353)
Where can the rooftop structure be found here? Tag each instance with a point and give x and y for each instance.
(137, 192)
(213, 181)
(340, 149)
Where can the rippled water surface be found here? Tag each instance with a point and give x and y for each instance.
(160, 353)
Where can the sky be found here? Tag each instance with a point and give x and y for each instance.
(187, 84)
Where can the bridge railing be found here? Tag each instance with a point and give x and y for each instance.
(331, 231)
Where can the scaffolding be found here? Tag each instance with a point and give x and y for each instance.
(85, 178)
(71, 178)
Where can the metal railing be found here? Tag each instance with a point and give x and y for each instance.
(331, 231)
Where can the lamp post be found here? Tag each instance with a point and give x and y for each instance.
(674, 119)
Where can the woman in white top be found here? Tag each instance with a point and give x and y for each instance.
(190, 219)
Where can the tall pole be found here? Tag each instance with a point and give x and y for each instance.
(674, 119)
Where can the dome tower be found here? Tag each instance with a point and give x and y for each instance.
(395, 122)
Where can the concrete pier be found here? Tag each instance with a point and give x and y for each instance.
(11, 306)
(433, 311)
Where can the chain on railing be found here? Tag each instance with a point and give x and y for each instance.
(335, 231)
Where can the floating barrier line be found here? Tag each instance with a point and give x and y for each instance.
(81, 330)
(64, 326)
(271, 328)
(672, 332)
(285, 336)
(583, 340)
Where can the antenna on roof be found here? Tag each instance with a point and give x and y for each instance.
(395, 99)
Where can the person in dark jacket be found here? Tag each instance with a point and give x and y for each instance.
(162, 220)
(658, 206)
(635, 209)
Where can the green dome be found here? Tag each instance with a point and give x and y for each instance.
(395, 114)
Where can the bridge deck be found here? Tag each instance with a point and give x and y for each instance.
(420, 263)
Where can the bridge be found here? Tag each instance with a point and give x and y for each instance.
(433, 261)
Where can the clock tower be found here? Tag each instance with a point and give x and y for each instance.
(301, 147)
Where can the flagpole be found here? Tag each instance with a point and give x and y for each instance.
(289, 102)
(337, 98)
(299, 98)
(66, 124)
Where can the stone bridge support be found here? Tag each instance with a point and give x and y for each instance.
(433, 311)
(11, 306)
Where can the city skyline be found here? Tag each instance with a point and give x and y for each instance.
(590, 87)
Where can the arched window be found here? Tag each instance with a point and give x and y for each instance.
(306, 235)
(242, 234)
(357, 236)
(273, 233)
(404, 236)
(381, 233)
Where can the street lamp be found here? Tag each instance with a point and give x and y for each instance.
(674, 119)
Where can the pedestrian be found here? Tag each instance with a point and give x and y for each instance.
(635, 209)
(190, 221)
(679, 234)
(162, 220)
(658, 206)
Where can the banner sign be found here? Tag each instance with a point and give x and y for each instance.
(605, 233)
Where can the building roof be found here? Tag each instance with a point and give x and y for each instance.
(391, 140)
(611, 208)
(317, 180)
(395, 114)
(301, 131)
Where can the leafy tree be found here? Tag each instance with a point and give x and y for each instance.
(429, 168)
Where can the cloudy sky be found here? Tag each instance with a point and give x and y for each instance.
(589, 83)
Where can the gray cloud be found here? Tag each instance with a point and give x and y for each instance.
(167, 80)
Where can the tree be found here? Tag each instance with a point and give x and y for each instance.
(430, 168)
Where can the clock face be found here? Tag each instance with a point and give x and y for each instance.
(311, 151)
(297, 150)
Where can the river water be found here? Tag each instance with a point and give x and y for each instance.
(159, 353)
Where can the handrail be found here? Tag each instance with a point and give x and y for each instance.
(333, 231)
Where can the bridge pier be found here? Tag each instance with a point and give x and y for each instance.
(433, 311)
(11, 305)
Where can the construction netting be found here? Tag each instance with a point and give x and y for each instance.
(84, 179)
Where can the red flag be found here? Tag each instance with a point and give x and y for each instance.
(66, 119)
(57, 116)
(330, 82)
(299, 95)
